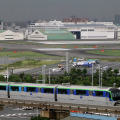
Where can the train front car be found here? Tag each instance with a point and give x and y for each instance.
(91, 95)
(115, 96)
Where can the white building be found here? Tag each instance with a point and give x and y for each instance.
(46, 25)
(37, 35)
(9, 35)
(118, 32)
(101, 32)
(82, 30)
(92, 31)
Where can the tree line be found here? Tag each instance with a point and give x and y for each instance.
(74, 77)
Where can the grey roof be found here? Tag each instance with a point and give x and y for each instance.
(81, 25)
(84, 25)
(83, 87)
(53, 85)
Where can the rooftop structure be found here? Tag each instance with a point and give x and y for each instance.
(58, 34)
(46, 25)
(75, 20)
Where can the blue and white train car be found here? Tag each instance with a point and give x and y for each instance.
(92, 95)
(32, 91)
(88, 95)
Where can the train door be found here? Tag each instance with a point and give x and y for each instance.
(107, 98)
(91, 95)
(8, 91)
(71, 94)
(55, 93)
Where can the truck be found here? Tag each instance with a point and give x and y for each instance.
(82, 64)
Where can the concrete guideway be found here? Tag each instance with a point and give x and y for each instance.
(46, 105)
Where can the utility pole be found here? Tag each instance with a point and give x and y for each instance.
(67, 62)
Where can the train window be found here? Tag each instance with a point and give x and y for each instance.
(62, 91)
(99, 93)
(80, 92)
(31, 89)
(48, 90)
(2, 87)
(13, 88)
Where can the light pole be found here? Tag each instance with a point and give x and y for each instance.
(8, 72)
(92, 73)
(101, 70)
(49, 75)
(67, 62)
(99, 75)
(43, 73)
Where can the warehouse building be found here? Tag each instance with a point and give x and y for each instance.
(9, 35)
(55, 34)
(37, 35)
(118, 32)
(80, 30)
(91, 31)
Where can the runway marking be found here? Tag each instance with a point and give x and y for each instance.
(52, 49)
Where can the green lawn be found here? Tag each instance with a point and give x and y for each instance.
(106, 52)
(32, 59)
(17, 54)
(30, 63)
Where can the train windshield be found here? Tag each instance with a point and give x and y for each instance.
(115, 93)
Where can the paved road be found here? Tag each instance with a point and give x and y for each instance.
(10, 113)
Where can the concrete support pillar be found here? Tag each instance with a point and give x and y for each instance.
(57, 115)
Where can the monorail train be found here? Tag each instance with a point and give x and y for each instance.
(92, 95)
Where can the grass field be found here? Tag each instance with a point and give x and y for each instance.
(105, 52)
(32, 59)
(30, 64)
(17, 54)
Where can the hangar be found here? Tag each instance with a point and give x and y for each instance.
(9, 35)
(53, 34)
(37, 35)
(80, 30)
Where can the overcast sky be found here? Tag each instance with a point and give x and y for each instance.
(23, 10)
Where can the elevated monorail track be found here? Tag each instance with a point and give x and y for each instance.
(45, 105)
